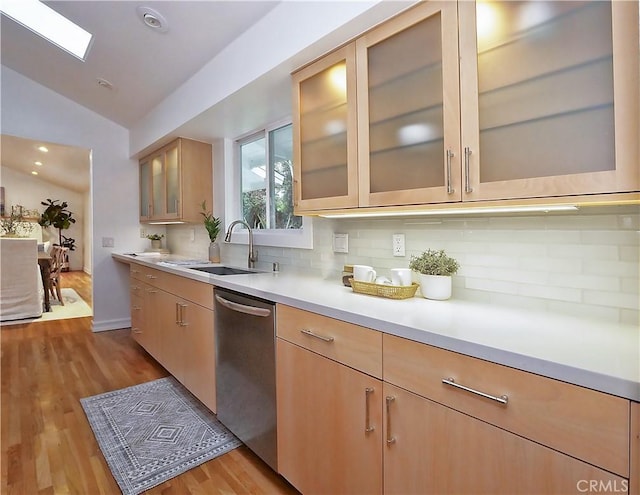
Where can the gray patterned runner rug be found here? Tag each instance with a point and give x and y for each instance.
(151, 432)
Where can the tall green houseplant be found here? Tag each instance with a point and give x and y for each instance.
(57, 215)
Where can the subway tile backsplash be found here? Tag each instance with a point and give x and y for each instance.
(584, 264)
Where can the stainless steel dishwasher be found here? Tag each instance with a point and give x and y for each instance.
(246, 370)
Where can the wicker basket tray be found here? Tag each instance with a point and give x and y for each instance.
(380, 290)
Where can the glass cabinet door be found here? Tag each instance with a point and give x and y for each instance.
(549, 98)
(158, 177)
(408, 110)
(145, 190)
(172, 171)
(324, 133)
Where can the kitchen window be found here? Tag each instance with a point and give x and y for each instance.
(264, 178)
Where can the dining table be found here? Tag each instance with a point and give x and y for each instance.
(44, 261)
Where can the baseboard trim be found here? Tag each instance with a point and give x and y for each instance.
(103, 326)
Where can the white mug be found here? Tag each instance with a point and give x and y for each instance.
(401, 276)
(364, 273)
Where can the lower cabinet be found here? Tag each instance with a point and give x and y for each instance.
(437, 422)
(431, 448)
(174, 329)
(329, 424)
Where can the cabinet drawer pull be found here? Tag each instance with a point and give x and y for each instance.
(450, 190)
(136, 308)
(390, 438)
(321, 337)
(177, 314)
(467, 180)
(151, 291)
(182, 323)
(136, 330)
(151, 276)
(502, 399)
(367, 423)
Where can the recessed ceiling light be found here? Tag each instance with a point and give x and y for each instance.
(39, 164)
(44, 149)
(33, 172)
(153, 19)
(49, 24)
(103, 83)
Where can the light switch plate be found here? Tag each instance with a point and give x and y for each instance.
(107, 242)
(340, 243)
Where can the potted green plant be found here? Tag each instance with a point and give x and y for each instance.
(56, 215)
(434, 269)
(156, 240)
(212, 224)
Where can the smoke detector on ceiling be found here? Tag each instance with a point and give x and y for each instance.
(153, 19)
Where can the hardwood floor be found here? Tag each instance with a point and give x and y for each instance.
(47, 446)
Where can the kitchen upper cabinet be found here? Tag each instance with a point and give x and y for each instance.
(482, 101)
(174, 181)
(325, 132)
(549, 96)
(408, 110)
(431, 448)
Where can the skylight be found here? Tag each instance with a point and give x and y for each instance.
(46, 22)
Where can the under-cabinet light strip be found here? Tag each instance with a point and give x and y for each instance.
(454, 211)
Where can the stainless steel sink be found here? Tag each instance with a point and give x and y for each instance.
(221, 270)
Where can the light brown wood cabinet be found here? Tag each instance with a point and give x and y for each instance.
(503, 431)
(547, 437)
(329, 414)
(465, 102)
(174, 181)
(172, 318)
(431, 448)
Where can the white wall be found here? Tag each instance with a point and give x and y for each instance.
(32, 111)
(29, 191)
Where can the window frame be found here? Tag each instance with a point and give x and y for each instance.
(301, 238)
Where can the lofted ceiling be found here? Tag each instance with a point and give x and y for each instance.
(143, 65)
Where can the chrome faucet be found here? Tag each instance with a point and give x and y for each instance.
(253, 256)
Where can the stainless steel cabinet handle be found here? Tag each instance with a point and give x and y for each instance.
(390, 438)
(367, 422)
(467, 180)
(502, 399)
(136, 308)
(177, 314)
(450, 190)
(312, 334)
(151, 276)
(182, 307)
(136, 330)
(243, 308)
(151, 291)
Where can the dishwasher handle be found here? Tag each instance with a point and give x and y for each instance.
(243, 308)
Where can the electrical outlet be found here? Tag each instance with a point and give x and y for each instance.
(107, 242)
(398, 244)
(143, 232)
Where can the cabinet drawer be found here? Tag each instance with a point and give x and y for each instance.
(144, 273)
(352, 345)
(200, 293)
(586, 424)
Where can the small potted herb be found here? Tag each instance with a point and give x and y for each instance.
(156, 240)
(435, 269)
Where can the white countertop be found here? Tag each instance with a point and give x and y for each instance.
(594, 354)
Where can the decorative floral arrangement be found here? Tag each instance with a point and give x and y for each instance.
(155, 237)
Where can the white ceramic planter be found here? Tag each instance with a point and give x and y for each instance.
(436, 287)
